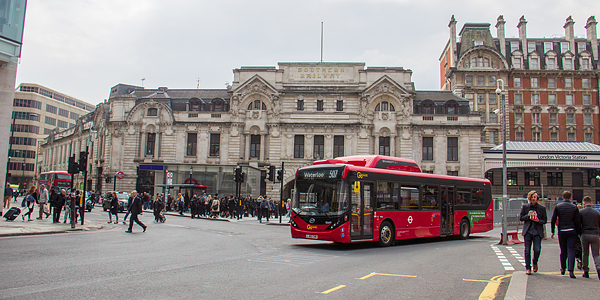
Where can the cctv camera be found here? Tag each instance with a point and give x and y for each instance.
(496, 111)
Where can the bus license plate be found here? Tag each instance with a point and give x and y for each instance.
(312, 236)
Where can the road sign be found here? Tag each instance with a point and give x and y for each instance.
(169, 181)
(169, 175)
(120, 175)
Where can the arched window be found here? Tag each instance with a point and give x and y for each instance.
(195, 104)
(385, 106)
(427, 107)
(451, 107)
(257, 105)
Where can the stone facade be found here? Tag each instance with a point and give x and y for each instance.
(294, 114)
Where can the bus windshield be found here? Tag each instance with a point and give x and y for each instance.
(320, 198)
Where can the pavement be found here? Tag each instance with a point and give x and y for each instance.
(44, 226)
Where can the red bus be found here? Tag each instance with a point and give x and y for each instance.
(384, 199)
(55, 180)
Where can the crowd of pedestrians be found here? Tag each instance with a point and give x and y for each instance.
(578, 231)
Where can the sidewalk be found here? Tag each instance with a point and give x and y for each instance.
(272, 221)
(44, 226)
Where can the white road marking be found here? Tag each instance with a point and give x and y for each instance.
(502, 258)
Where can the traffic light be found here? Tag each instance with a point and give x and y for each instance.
(279, 175)
(242, 176)
(73, 166)
(235, 175)
(83, 161)
(238, 175)
(271, 173)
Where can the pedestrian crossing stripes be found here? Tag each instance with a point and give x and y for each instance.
(516, 255)
(293, 259)
(505, 263)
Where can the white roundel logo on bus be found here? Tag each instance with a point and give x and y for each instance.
(312, 220)
(410, 219)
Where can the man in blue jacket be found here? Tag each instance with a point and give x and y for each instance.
(534, 217)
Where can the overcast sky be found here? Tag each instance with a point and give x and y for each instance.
(84, 47)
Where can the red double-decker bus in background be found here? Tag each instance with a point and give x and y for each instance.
(55, 180)
(384, 199)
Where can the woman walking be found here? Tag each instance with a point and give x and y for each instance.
(114, 208)
(30, 199)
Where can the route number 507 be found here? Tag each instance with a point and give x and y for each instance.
(333, 173)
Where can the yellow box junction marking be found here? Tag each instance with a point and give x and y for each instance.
(383, 274)
(333, 289)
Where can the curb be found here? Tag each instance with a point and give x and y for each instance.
(42, 232)
(517, 288)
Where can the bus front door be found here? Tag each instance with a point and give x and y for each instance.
(447, 213)
(361, 226)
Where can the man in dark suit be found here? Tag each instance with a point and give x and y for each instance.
(534, 217)
(569, 229)
(136, 209)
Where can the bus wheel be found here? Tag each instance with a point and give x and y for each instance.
(386, 234)
(465, 229)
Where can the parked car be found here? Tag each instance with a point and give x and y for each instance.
(122, 196)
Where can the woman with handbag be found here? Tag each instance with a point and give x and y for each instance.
(31, 199)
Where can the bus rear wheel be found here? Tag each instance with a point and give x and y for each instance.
(465, 229)
(386, 234)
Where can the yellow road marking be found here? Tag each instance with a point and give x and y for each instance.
(476, 280)
(383, 274)
(492, 287)
(333, 289)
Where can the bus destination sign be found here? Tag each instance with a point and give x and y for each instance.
(321, 173)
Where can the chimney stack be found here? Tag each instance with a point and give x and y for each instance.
(500, 33)
(592, 36)
(569, 33)
(523, 35)
(453, 54)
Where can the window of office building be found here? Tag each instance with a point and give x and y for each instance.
(492, 97)
(384, 145)
(532, 178)
(530, 47)
(492, 80)
(534, 63)
(480, 80)
(585, 63)
(62, 124)
(192, 141)
(535, 99)
(547, 46)
(493, 118)
(27, 103)
(514, 46)
(255, 146)
(519, 136)
(73, 116)
(555, 179)
(469, 80)
(564, 47)
(589, 137)
(587, 100)
(585, 82)
(50, 121)
(150, 143)
(152, 112)
(319, 105)
(551, 82)
(570, 118)
(568, 82)
(516, 62)
(512, 178)
(215, 144)
(338, 146)
(339, 105)
(491, 137)
(51, 109)
(552, 99)
(518, 118)
(553, 118)
(518, 99)
(517, 82)
(534, 82)
(319, 147)
(571, 137)
(480, 98)
(535, 118)
(300, 105)
(452, 148)
(63, 112)
(551, 63)
(587, 119)
(537, 136)
(554, 136)
(581, 46)
(568, 65)
(428, 148)
(299, 146)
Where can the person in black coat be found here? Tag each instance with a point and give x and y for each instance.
(569, 227)
(114, 208)
(534, 217)
(135, 210)
(57, 201)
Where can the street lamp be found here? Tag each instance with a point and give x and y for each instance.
(190, 181)
(499, 88)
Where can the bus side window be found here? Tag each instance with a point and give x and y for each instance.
(387, 196)
(463, 197)
(477, 196)
(409, 196)
(429, 200)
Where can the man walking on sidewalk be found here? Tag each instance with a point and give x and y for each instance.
(136, 209)
(590, 232)
(534, 217)
(8, 193)
(44, 198)
(569, 226)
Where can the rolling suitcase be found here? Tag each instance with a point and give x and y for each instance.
(12, 213)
